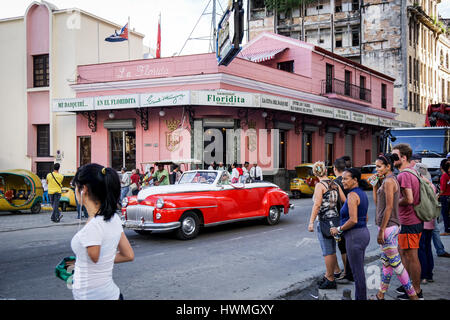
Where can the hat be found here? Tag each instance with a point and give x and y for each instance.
(416, 156)
(448, 155)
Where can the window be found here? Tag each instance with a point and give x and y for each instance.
(410, 70)
(329, 78)
(362, 88)
(443, 90)
(307, 147)
(355, 37)
(286, 66)
(43, 140)
(282, 150)
(258, 4)
(383, 96)
(410, 101)
(355, 5)
(338, 39)
(319, 7)
(348, 80)
(338, 6)
(41, 71)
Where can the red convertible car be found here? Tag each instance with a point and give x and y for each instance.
(202, 198)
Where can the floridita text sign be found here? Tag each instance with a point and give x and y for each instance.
(274, 102)
(71, 105)
(225, 98)
(117, 102)
(157, 99)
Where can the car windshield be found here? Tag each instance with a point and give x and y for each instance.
(423, 141)
(198, 177)
(368, 169)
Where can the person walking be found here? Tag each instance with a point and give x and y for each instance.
(444, 197)
(161, 176)
(101, 242)
(124, 184)
(326, 195)
(386, 194)
(411, 226)
(256, 172)
(54, 181)
(135, 182)
(353, 226)
(234, 173)
(45, 187)
(346, 275)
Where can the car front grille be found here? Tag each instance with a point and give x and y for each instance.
(137, 212)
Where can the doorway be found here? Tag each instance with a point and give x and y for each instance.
(123, 149)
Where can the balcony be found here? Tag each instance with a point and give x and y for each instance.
(343, 88)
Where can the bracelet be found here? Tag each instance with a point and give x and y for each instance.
(339, 229)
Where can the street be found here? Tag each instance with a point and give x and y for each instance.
(247, 260)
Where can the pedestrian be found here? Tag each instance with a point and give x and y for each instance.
(436, 237)
(211, 166)
(176, 174)
(411, 226)
(346, 275)
(45, 187)
(124, 184)
(348, 162)
(101, 242)
(444, 197)
(256, 172)
(135, 182)
(54, 181)
(161, 176)
(353, 226)
(245, 172)
(234, 173)
(326, 195)
(221, 167)
(386, 194)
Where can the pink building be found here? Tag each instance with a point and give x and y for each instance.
(322, 105)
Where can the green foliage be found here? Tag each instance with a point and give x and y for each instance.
(285, 5)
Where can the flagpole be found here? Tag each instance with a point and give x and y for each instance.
(129, 29)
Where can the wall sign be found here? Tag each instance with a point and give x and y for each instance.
(157, 99)
(116, 102)
(71, 105)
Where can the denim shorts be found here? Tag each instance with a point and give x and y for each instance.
(328, 245)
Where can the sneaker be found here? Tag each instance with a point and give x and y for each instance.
(327, 284)
(406, 297)
(444, 255)
(430, 280)
(322, 280)
(400, 290)
(338, 275)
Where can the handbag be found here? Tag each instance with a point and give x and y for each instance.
(327, 223)
(133, 186)
(62, 272)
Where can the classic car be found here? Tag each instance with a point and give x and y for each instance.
(306, 181)
(366, 172)
(202, 198)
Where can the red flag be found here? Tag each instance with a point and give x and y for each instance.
(158, 44)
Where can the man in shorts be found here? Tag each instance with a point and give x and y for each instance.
(411, 225)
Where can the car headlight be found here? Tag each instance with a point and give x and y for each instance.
(160, 203)
(125, 202)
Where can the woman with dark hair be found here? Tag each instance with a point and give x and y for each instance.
(386, 194)
(354, 228)
(101, 242)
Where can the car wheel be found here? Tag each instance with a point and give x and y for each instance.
(274, 216)
(190, 226)
(36, 208)
(143, 232)
(64, 206)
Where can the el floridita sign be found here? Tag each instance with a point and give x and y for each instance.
(216, 98)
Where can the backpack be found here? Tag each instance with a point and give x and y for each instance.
(429, 206)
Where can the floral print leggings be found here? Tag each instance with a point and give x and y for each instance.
(393, 263)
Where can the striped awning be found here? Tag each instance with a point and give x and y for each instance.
(260, 55)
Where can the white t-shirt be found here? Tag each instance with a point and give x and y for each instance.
(93, 281)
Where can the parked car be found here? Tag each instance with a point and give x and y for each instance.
(366, 172)
(20, 190)
(306, 181)
(67, 193)
(202, 198)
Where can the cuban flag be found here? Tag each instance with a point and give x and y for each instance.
(118, 37)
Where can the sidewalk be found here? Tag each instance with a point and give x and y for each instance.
(14, 221)
(437, 290)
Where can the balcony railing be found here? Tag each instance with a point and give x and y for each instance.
(345, 89)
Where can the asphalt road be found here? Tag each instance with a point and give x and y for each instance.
(247, 260)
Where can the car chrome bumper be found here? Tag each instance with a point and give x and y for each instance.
(151, 226)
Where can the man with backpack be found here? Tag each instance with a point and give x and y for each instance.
(411, 226)
(54, 181)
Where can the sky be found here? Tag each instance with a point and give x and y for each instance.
(178, 18)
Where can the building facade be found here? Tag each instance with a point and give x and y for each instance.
(44, 48)
(134, 112)
(395, 37)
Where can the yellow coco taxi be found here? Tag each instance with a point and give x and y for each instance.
(20, 190)
(366, 172)
(67, 193)
(306, 181)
